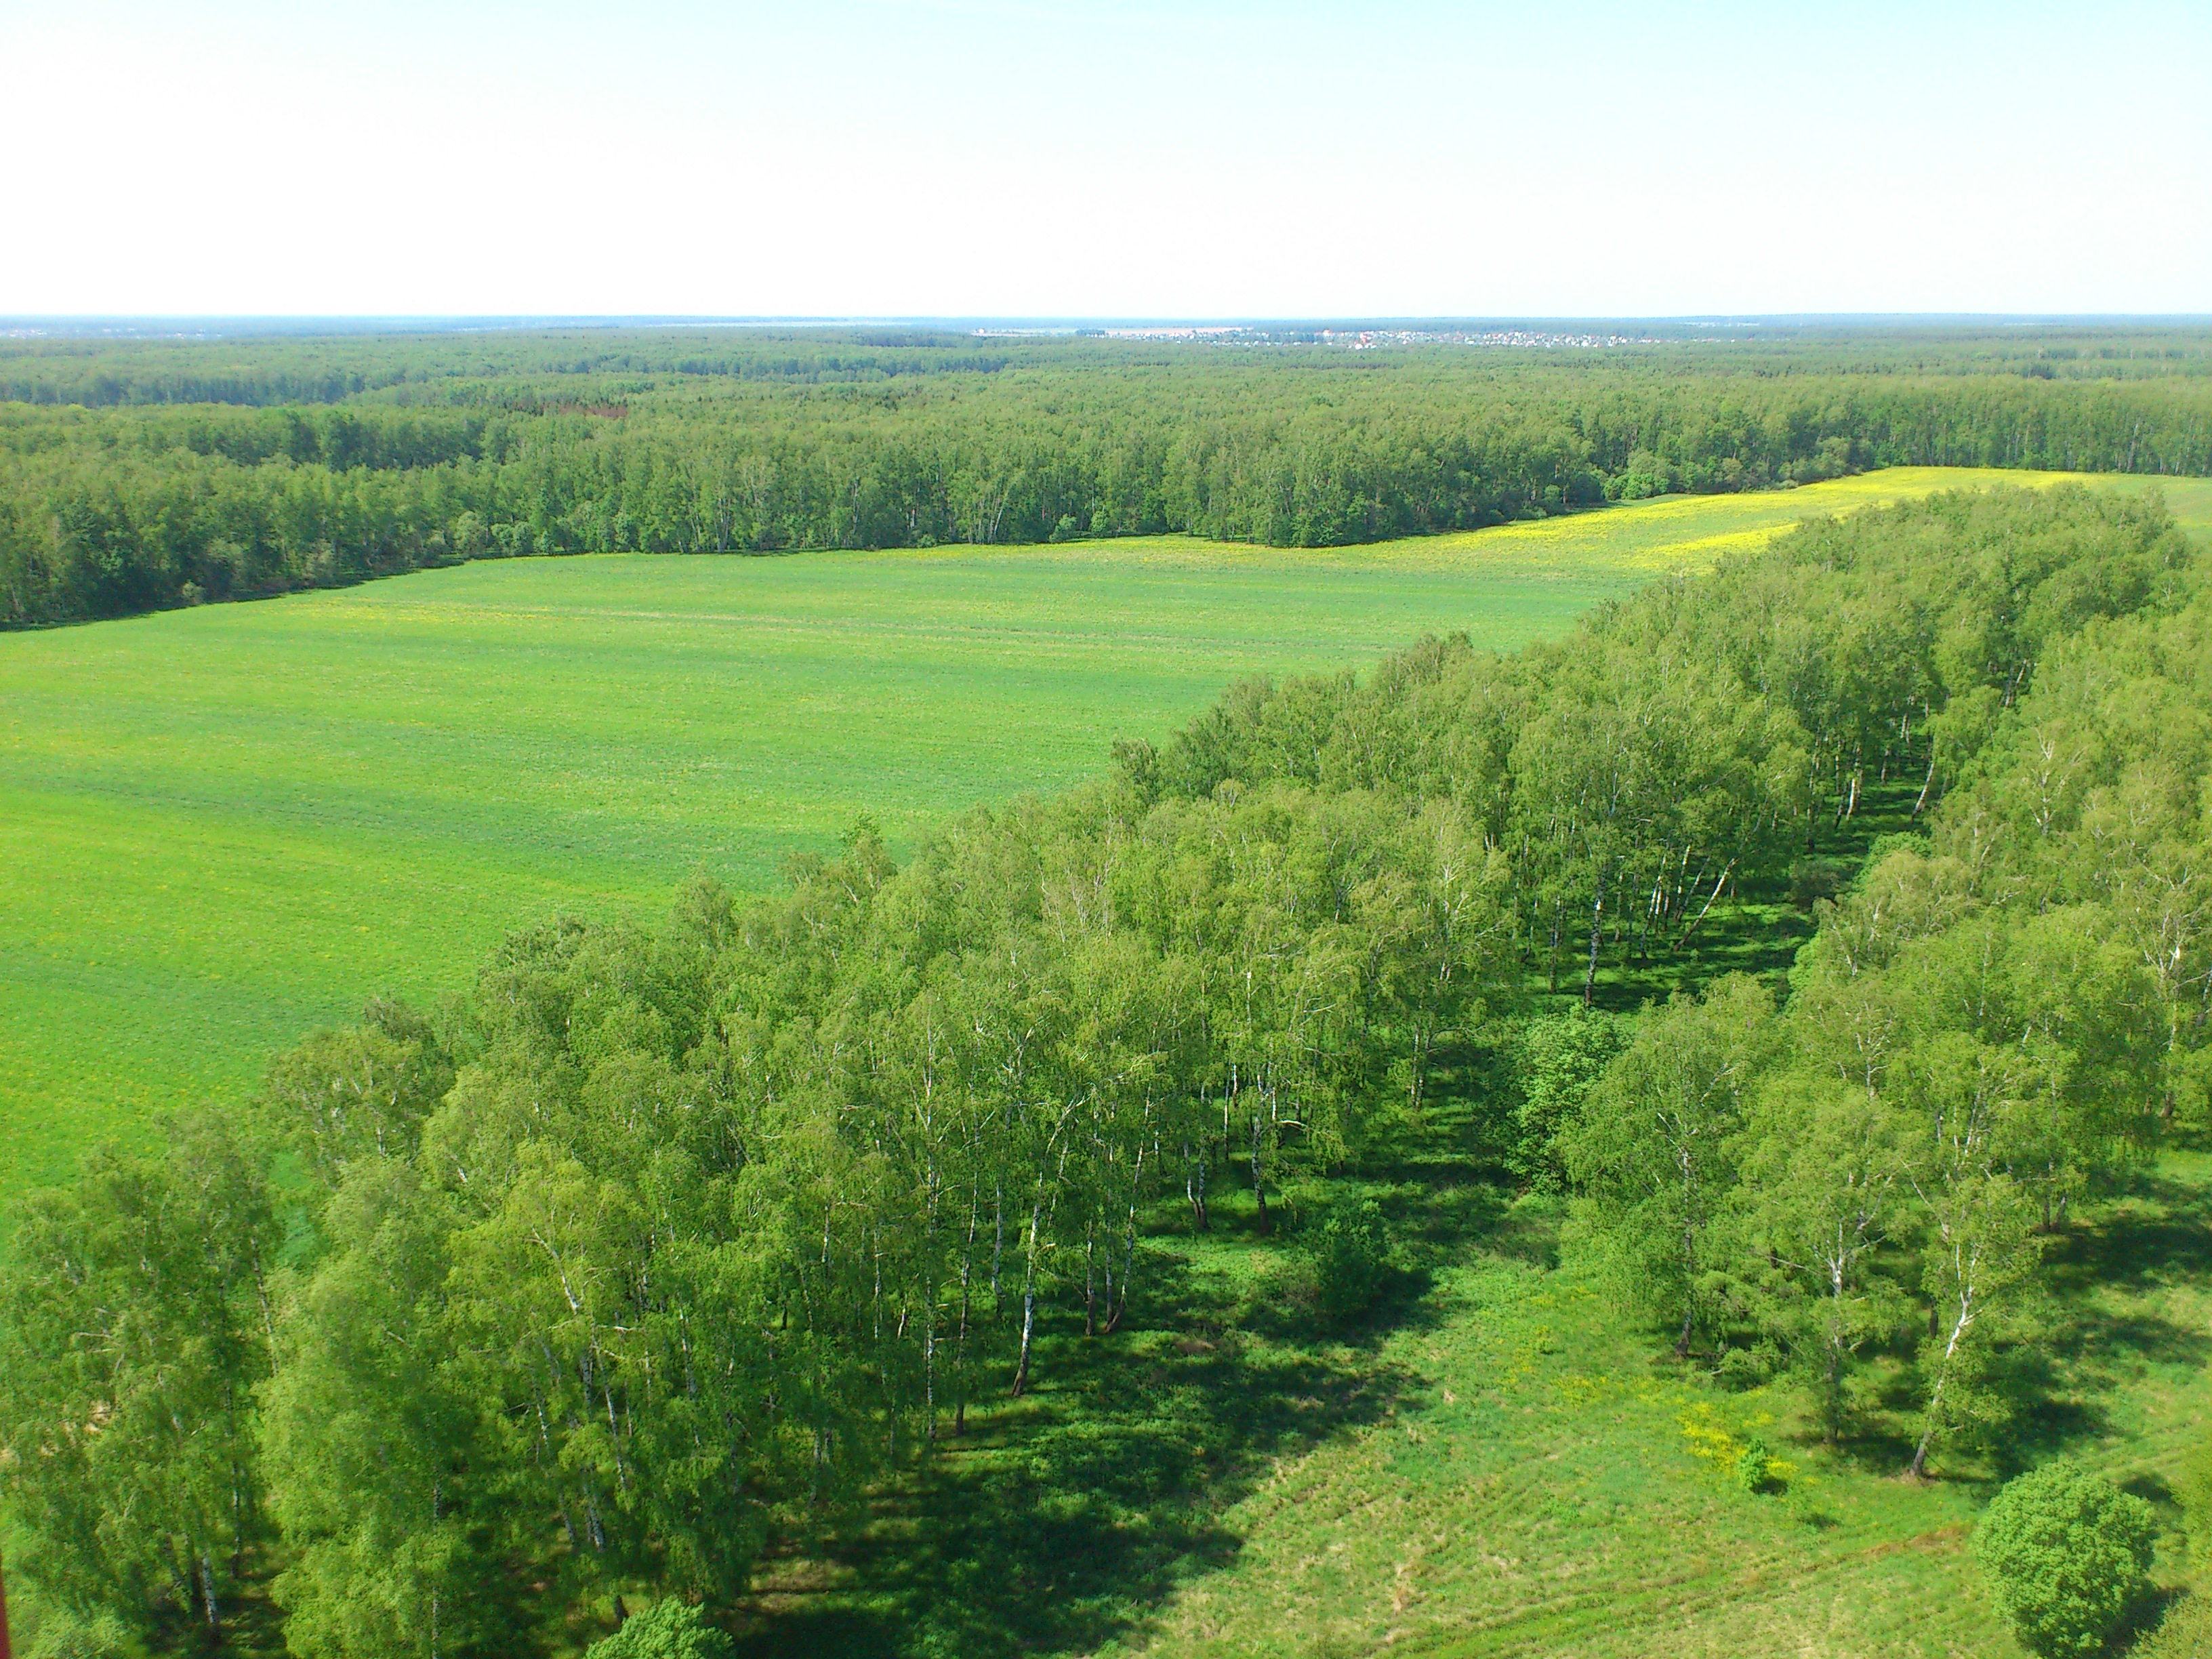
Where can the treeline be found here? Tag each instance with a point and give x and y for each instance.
(108, 513)
(265, 371)
(1713, 728)
(657, 1247)
(467, 364)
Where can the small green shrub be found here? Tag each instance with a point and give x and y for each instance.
(1815, 878)
(2067, 1553)
(669, 1629)
(1747, 1368)
(1350, 1251)
(1754, 1467)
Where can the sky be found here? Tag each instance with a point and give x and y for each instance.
(1022, 158)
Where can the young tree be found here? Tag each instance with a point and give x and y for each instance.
(133, 1331)
(385, 1473)
(1980, 1245)
(2067, 1554)
(1653, 1151)
(341, 1096)
(1556, 1060)
(1825, 1178)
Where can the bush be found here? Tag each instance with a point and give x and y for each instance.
(667, 1630)
(1748, 1368)
(1350, 1251)
(1754, 1467)
(2067, 1553)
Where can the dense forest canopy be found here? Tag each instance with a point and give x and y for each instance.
(137, 475)
(655, 1247)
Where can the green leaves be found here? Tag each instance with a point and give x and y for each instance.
(1655, 1147)
(669, 1629)
(133, 1332)
(1350, 1251)
(2067, 1554)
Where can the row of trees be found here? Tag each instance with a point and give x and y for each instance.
(264, 367)
(657, 1244)
(104, 512)
(264, 370)
(654, 1246)
(1711, 728)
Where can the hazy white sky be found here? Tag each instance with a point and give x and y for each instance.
(1028, 158)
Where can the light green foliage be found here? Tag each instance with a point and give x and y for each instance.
(1555, 1060)
(1755, 1466)
(2067, 1554)
(1655, 1147)
(57, 1633)
(133, 1332)
(1827, 1177)
(367, 1435)
(669, 1629)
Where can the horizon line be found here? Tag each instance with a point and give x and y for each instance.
(1060, 323)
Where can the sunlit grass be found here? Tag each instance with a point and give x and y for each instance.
(1499, 1464)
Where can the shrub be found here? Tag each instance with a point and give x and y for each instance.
(2067, 1553)
(668, 1628)
(1747, 1368)
(1754, 1467)
(1350, 1251)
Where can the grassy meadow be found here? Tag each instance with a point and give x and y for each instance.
(226, 825)
(1499, 1467)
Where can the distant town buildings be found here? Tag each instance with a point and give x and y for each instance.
(1368, 340)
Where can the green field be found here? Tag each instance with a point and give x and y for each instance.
(223, 826)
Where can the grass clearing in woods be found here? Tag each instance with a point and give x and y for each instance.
(1497, 1465)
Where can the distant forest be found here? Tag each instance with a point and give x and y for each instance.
(139, 475)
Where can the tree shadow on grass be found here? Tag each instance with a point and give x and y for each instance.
(2159, 1234)
(2155, 1231)
(1059, 1524)
(2159, 1230)
(2157, 1608)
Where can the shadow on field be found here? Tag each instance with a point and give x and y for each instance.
(2098, 1322)
(1061, 1523)
(2159, 1234)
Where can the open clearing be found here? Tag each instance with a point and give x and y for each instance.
(226, 825)
(1502, 1468)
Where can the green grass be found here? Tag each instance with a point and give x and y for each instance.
(1497, 1466)
(220, 828)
